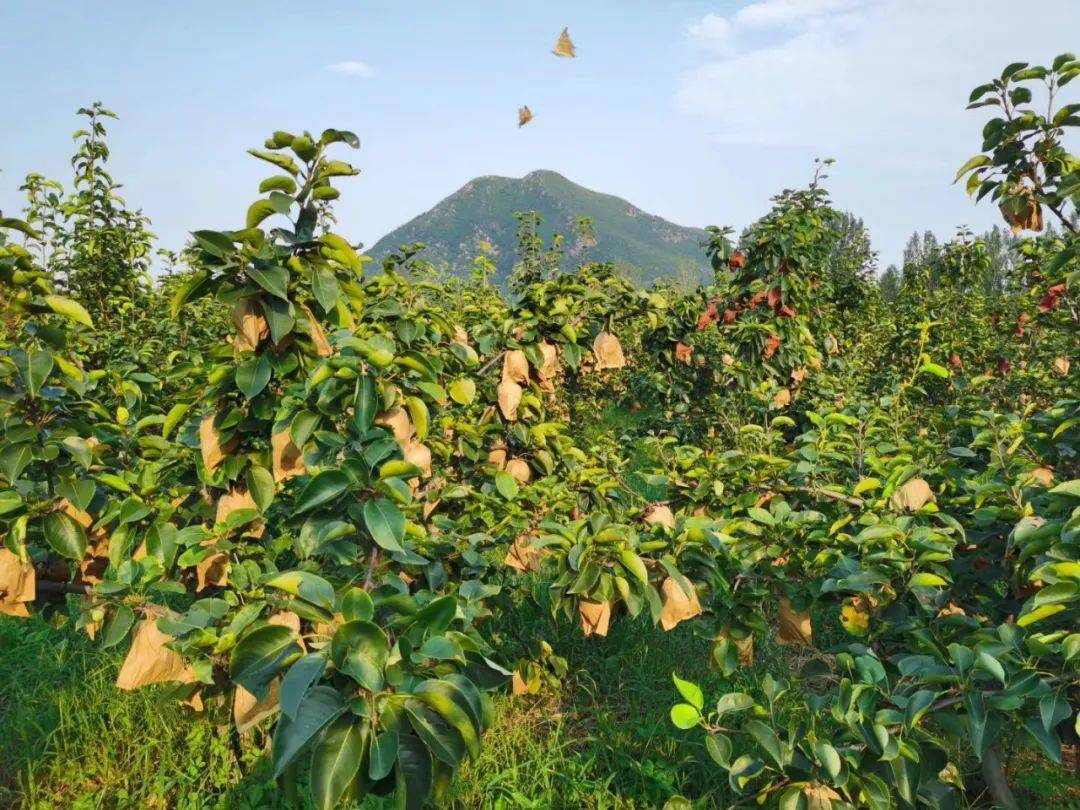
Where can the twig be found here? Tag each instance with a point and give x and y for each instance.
(372, 564)
(760, 794)
(63, 587)
(490, 363)
(850, 500)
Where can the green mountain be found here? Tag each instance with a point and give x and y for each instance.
(482, 211)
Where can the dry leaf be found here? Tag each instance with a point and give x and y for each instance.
(595, 617)
(661, 514)
(509, 393)
(518, 685)
(913, 495)
(772, 343)
(727, 360)
(608, 351)
(782, 398)
(820, 797)
(194, 701)
(678, 607)
(519, 470)
(1027, 218)
(798, 376)
(1043, 476)
(213, 451)
(564, 46)
(93, 565)
(1061, 366)
(522, 555)
(235, 499)
(550, 367)
(683, 353)
(460, 336)
(952, 609)
(80, 517)
(318, 336)
(212, 571)
(286, 458)
(250, 324)
(744, 648)
(515, 366)
(149, 661)
(794, 626)
(18, 584)
(524, 116)
(418, 454)
(398, 421)
(497, 458)
(248, 711)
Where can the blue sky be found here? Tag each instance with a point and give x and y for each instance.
(696, 111)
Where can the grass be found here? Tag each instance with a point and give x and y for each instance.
(69, 739)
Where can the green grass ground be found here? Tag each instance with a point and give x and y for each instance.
(69, 739)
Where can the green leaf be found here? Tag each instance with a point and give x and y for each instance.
(326, 288)
(173, 417)
(253, 375)
(734, 702)
(685, 716)
(462, 391)
(257, 657)
(359, 649)
(768, 740)
(829, 759)
(442, 740)
(719, 748)
(281, 161)
(415, 775)
(34, 368)
(986, 661)
(337, 758)
(278, 182)
(356, 605)
(635, 565)
(450, 704)
(1047, 740)
(116, 630)
(259, 210)
(924, 579)
(301, 675)
(260, 483)
(72, 310)
(438, 614)
(275, 280)
(319, 707)
(1071, 488)
(972, 163)
(366, 403)
(691, 692)
(13, 460)
(385, 523)
(65, 535)
(323, 488)
(308, 586)
(193, 286)
(935, 369)
(383, 754)
(506, 484)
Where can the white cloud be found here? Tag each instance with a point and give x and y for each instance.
(357, 69)
(711, 31)
(889, 74)
(770, 13)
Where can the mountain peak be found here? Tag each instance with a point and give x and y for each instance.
(482, 212)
